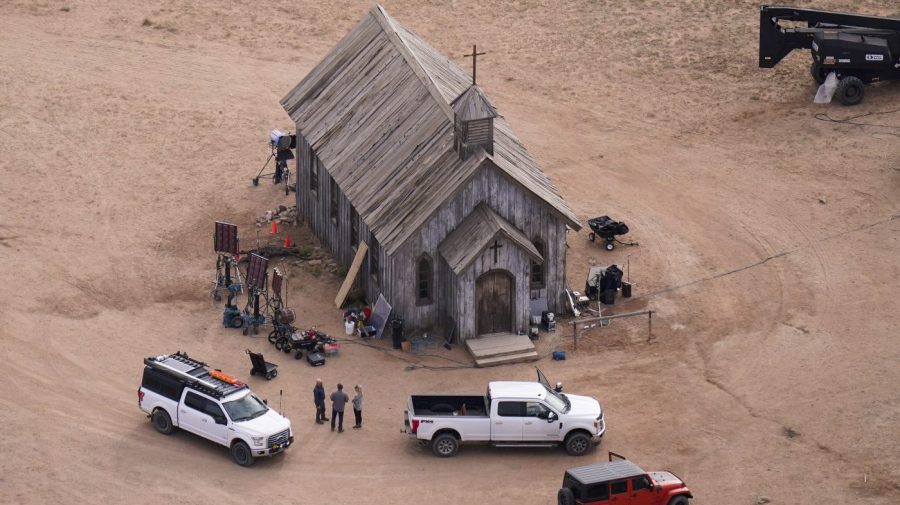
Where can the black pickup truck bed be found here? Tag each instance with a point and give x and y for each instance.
(444, 405)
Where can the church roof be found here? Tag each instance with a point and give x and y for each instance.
(376, 110)
(475, 234)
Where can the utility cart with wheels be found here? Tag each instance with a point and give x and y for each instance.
(607, 229)
(310, 340)
(261, 366)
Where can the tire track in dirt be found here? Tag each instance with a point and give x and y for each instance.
(823, 265)
(814, 246)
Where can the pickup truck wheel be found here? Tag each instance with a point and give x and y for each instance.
(444, 445)
(162, 422)
(679, 500)
(241, 454)
(565, 496)
(578, 444)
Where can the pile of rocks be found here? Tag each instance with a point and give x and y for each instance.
(322, 261)
(280, 214)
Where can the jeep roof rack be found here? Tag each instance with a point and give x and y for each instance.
(602, 472)
(193, 373)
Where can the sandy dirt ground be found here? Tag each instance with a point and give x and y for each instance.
(769, 247)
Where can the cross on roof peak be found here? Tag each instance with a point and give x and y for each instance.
(475, 54)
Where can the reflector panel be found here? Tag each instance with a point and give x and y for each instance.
(226, 239)
(256, 271)
(276, 283)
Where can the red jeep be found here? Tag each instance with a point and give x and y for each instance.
(621, 482)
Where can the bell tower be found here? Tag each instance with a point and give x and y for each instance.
(473, 121)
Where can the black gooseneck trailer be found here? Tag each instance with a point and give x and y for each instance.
(858, 49)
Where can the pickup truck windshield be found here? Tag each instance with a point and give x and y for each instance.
(558, 401)
(245, 408)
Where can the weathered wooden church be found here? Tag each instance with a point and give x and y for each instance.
(397, 148)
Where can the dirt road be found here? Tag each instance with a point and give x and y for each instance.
(769, 245)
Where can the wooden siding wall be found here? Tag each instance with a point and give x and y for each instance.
(533, 216)
(445, 296)
(315, 207)
(510, 258)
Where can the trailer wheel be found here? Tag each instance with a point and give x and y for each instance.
(298, 354)
(237, 322)
(850, 90)
(592, 236)
(818, 73)
(162, 422)
(578, 444)
(444, 445)
(565, 496)
(610, 246)
(273, 336)
(241, 454)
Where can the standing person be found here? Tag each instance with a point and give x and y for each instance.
(357, 406)
(338, 400)
(319, 399)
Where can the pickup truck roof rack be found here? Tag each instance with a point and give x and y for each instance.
(193, 373)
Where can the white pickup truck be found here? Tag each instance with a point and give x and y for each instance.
(180, 392)
(522, 414)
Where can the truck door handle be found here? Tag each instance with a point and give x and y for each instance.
(183, 411)
(529, 422)
(204, 420)
(499, 422)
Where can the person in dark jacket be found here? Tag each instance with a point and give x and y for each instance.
(319, 399)
(339, 399)
(357, 406)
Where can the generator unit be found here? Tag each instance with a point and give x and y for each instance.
(859, 49)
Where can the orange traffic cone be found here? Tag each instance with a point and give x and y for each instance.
(287, 240)
(274, 227)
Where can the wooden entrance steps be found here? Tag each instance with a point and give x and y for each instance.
(501, 348)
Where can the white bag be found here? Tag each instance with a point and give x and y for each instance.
(826, 90)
